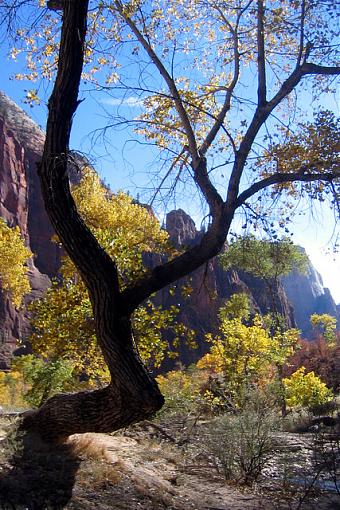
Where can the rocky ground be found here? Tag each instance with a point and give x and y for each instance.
(147, 467)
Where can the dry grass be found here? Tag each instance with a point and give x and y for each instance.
(88, 447)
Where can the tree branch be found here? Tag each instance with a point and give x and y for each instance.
(261, 58)
(261, 115)
(302, 31)
(165, 274)
(167, 78)
(230, 88)
(281, 178)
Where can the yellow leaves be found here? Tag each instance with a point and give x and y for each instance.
(14, 52)
(305, 389)
(246, 353)
(49, 49)
(125, 229)
(12, 388)
(31, 97)
(327, 323)
(13, 258)
(63, 319)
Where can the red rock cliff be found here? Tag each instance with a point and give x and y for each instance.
(21, 143)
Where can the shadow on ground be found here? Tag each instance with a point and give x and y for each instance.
(35, 475)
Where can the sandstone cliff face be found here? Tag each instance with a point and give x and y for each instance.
(21, 143)
(307, 296)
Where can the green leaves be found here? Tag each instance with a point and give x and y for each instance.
(263, 258)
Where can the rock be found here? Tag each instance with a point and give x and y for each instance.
(307, 295)
(21, 146)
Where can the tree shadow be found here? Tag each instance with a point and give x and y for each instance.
(35, 475)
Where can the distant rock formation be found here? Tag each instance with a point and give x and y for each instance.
(21, 145)
(307, 295)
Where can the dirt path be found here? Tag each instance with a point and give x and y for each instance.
(158, 472)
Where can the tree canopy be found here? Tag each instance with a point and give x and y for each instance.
(13, 259)
(217, 82)
(63, 325)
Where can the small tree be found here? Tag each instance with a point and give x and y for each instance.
(268, 260)
(13, 259)
(327, 323)
(306, 390)
(246, 353)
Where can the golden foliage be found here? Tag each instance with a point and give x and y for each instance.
(13, 258)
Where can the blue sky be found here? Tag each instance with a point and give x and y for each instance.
(124, 164)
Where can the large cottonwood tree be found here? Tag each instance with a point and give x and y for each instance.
(222, 47)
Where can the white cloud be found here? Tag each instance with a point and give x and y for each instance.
(131, 101)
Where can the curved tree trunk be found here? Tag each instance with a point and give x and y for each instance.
(132, 394)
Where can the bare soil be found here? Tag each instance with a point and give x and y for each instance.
(139, 469)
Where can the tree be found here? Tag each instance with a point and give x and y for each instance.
(63, 325)
(306, 389)
(268, 260)
(189, 116)
(245, 352)
(13, 259)
(328, 325)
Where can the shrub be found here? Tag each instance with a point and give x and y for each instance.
(241, 444)
(181, 389)
(306, 390)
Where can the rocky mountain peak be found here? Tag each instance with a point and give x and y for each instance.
(181, 228)
(25, 130)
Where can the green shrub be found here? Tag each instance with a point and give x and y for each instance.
(241, 444)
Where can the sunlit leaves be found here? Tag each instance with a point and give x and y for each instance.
(124, 229)
(63, 320)
(327, 323)
(13, 258)
(246, 353)
(306, 389)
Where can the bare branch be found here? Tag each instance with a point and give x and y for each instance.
(261, 115)
(302, 32)
(167, 78)
(230, 88)
(281, 178)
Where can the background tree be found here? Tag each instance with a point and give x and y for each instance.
(63, 325)
(268, 260)
(189, 114)
(13, 263)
